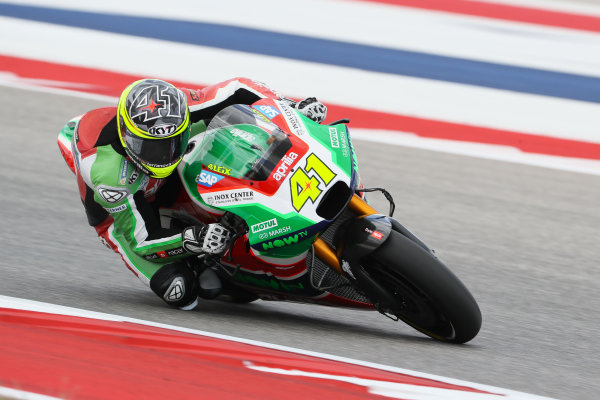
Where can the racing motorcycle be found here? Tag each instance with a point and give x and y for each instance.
(289, 189)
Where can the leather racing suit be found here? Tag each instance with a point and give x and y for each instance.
(122, 203)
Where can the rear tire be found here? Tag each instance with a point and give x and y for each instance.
(235, 294)
(420, 290)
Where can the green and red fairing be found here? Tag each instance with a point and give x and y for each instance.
(285, 175)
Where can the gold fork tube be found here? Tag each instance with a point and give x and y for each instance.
(326, 254)
(360, 206)
(324, 251)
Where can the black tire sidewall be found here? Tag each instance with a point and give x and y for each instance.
(447, 294)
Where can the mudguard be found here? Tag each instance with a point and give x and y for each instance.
(362, 236)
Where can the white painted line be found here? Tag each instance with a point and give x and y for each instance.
(376, 24)
(399, 138)
(423, 98)
(23, 395)
(584, 7)
(478, 150)
(30, 305)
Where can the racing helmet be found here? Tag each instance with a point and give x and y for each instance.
(153, 120)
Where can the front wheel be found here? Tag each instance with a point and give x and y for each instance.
(409, 282)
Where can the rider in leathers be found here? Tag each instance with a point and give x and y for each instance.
(125, 157)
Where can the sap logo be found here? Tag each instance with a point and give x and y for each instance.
(206, 178)
(285, 241)
(270, 111)
(220, 169)
(286, 161)
(248, 137)
(333, 138)
(162, 130)
(272, 223)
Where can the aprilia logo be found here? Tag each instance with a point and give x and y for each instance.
(286, 161)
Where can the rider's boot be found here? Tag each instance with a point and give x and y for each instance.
(210, 284)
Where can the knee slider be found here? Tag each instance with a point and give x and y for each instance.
(176, 284)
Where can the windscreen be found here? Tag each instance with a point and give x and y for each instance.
(241, 142)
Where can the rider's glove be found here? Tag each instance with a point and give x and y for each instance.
(206, 239)
(313, 109)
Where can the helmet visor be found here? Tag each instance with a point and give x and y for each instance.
(156, 153)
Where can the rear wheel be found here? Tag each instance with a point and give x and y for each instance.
(235, 294)
(409, 282)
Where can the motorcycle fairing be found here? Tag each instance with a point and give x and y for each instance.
(269, 163)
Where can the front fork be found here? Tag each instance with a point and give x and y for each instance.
(362, 209)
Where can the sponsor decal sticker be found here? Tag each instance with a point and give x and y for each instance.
(123, 177)
(344, 144)
(120, 208)
(286, 162)
(285, 241)
(229, 198)
(269, 111)
(175, 252)
(160, 165)
(292, 120)
(247, 136)
(220, 169)
(162, 130)
(377, 235)
(274, 233)
(334, 138)
(207, 178)
(260, 115)
(134, 175)
(262, 226)
(165, 254)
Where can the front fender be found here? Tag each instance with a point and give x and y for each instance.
(361, 236)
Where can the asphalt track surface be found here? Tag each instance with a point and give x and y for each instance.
(523, 239)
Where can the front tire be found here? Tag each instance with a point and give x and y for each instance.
(409, 282)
